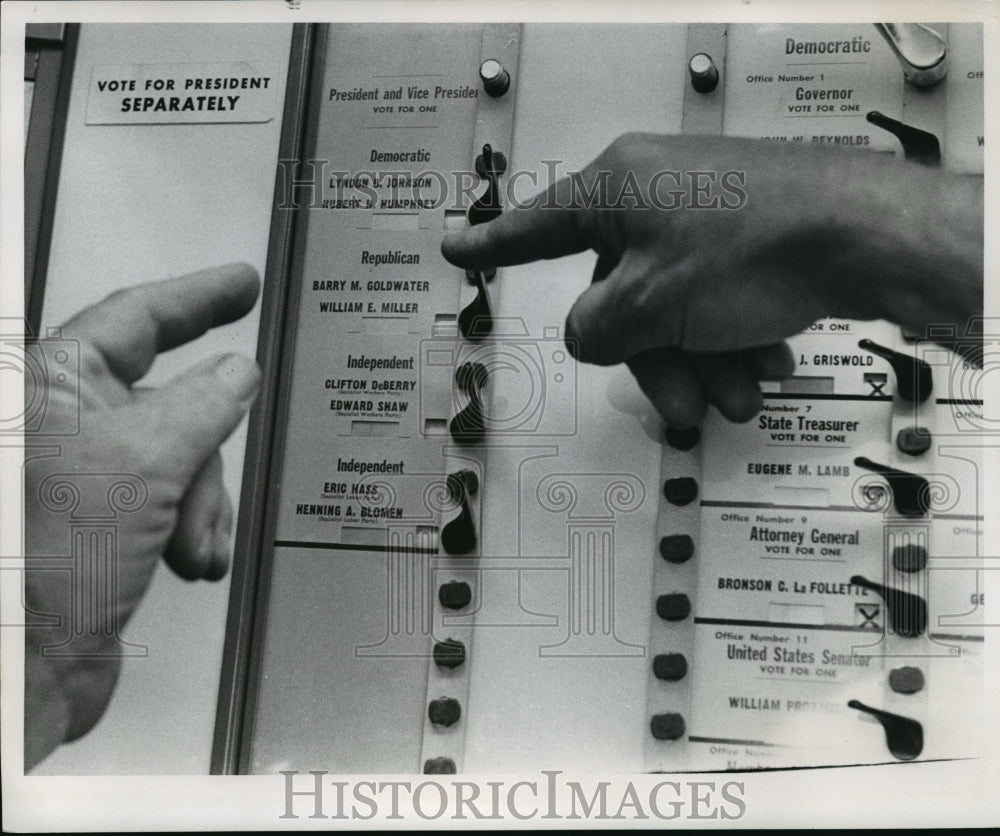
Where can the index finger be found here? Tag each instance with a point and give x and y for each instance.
(130, 327)
(554, 225)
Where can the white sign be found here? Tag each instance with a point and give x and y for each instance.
(157, 94)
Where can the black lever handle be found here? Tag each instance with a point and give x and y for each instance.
(914, 380)
(468, 426)
(475, 322)
(910, 492)
(907, 612)
(459, 536)
(904, 737)
(487, 206)
(918, 146)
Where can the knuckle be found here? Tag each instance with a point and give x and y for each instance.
(624, 143)
(638, 298)
(123, 298)
(92, 362)
(630, 148)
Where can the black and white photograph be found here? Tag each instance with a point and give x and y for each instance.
(539, 414)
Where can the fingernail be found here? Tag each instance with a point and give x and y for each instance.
(219, 564)
(240, 375)
(217, 568)
(571, 339)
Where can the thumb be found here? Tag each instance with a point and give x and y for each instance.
(196, 411)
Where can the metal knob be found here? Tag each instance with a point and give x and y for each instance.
(496, 80)
(704, 73)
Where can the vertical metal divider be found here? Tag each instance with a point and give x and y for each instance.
(253, 550)
(923, 108)
(44, 137)
(443, 748)
(678, 527)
